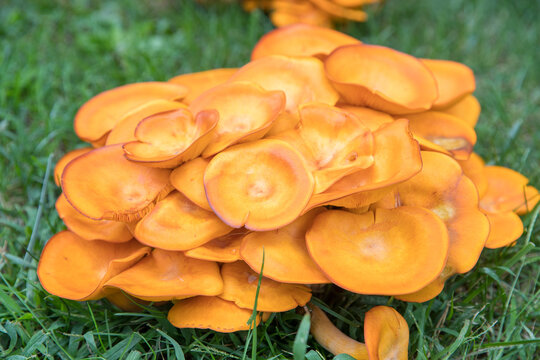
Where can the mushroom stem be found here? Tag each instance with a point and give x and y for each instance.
(332, 339)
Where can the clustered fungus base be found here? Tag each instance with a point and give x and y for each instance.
(332, 161)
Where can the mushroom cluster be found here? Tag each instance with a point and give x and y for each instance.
(312, 12)
(323, 160)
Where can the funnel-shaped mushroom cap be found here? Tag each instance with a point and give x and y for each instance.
(77, 269)
(175, 223)
(441, 188)
(168, 139)
(454, 81)
(89, 229)
(506, 228)
(429, 291)
(508, 191)
(385, 252)
(300, 40)
(474, 169)
(240, 286)
(223, 249)
(396, 159)
(302, 79)
(124, 131)
(386, 334)
(210, 312)
(189, 180)
(334, 143)
(62, 163)
(245, 184)
(372, 119)
(332, 339)
(286, 258)
(443, 130)
(381, 78)
(199, 82)
(100, 114)
(246, 112)
(467, 109)
(103, 184)
(168, 275)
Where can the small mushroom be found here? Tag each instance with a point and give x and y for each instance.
(77, 269)
(62, 163)
(244, 184)
(198, 82)
(506, 228)
(381, 78)
(386, 334)
(100, 114)
(189, 180)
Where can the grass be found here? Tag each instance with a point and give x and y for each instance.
(55, 55)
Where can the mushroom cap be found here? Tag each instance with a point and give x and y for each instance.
(246, 113)
(332, 339)
(103, 184)
(124, 131)
(466, 109)
(169, 139)
(454, 81)
(506, 228)
(223, 249)
(507, 190)
(334, 143)
(385, 252)
(386, 334)
(167, 275)
(77, 269)
(300, 40)
(244, 184)
(100, 114)
(396, 159)
(302, 79)
(210, 312)
(372, 119)
(62, 163)
(240, 286)
(175, 223)
(473, 168)
(89, 229)
(445, 131)
(189, 180)
(199, 82)
(286, 258)
(381, 78)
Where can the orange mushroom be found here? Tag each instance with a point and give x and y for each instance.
(474, 169)
(334, 143)
(168, 139)
(62, 163)
(435, 130)
(370, 118)
(240, 286)
(506, 228)
(199, 82)
(246, 112)
(89, 229)
(189, 180)
(175, 223)
(429, 291)
(396, 159)
(223, 249)
(454, 81)
(381, 78)
(386, 334)
(300, 40)
(77, 269)
(286, 258)
(507, 190)
(100, 114)
(124, 131)
(102, 184)
(385, 252)
(302, 79)
(168, 275)
(466, 109)
(244, 184)
(211, 312)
